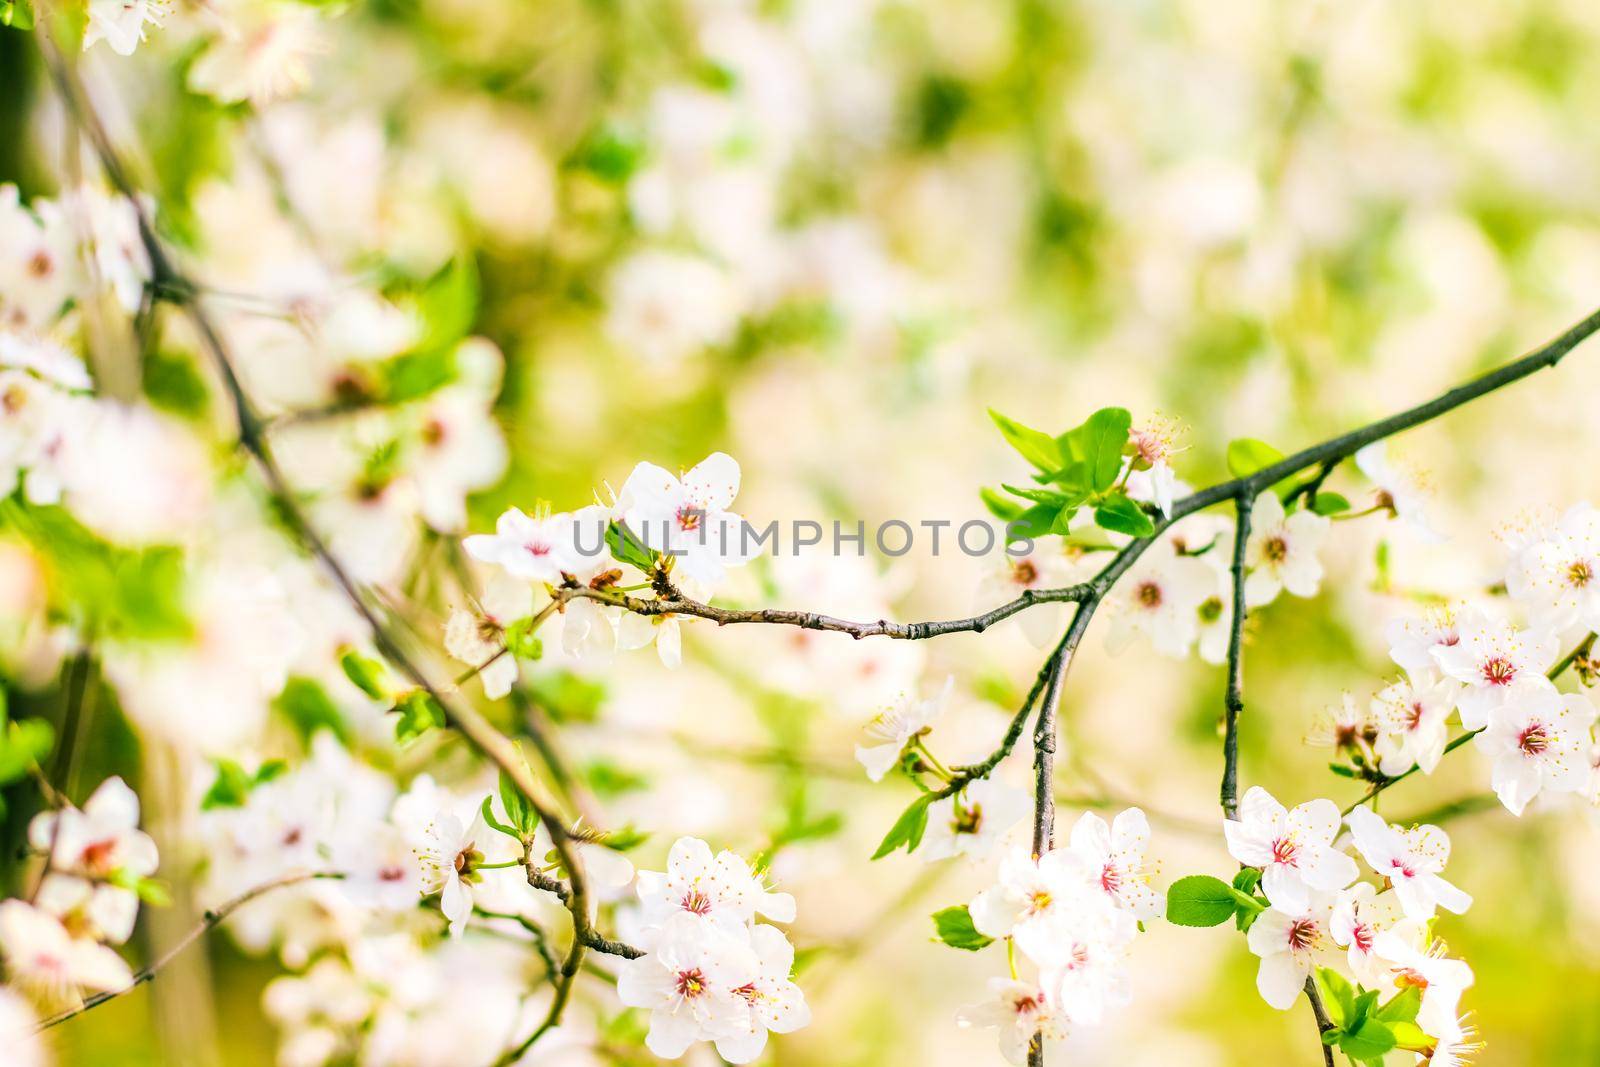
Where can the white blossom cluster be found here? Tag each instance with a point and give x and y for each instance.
(58, 945)
(1073, 912)
(1379, 934)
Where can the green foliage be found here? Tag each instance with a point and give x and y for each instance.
(626, 547)
(173, 383)
(610, 155)
(419, 713)
(908, 829)
(18, 14)
(489, 820)
(954, 927)
(519, 808)
(365, 673)
(233, 784)
(522, 641)
(1201, 900)
(568, 697)
(1363, 1029)
(1077, 468)
(448, 307)
(1098, 445)
(309, 708)
(102, 588)
(23, 745)
(1329, 503)
(1119, 514)
(1246, 455)
(609, 780)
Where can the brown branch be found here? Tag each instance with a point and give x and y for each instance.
(1233, 701)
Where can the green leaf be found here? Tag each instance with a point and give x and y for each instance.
(1098, 444)
(626, 547)
(1037, 521)
(568, 697)
(487, 811)
(1001, 508)
(1051, 497)
(623, 839)
(18, 14)
(1036, 447)
(1247, 880)
(448, 307)
(1338, 995)
(1402, 1007)
(519, 809)
(522, 641)
(309, 709)
(1200, 900)
(1246, 455)
(610, 780)
(907, 830)
(610, 155)
(1329, 504)
(1408, 1035)
(366, 674)
(419, 713)
(1121, 514)
(1369, 1041)
(173, 383)
(954, 927)
(233, 783)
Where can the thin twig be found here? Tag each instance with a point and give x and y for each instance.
(209, 921)
(1233, 702)
(1324, 1024)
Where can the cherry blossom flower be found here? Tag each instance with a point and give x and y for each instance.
(90, 848)
(720, 889)
(1018, 1010)
(1411, 859)
(666, 631)
(896, 727)
(1282, 551)
(1039, 568)
(1114, 859)
(478, 637)
(39, 267)
(1414, 959)
(1400, 491)
(776, 1003)
(973, 821)
(1152, 477)
(691, 981)
(667, 306)
(263, 54)
(1359, 915)
(1542, 742)
(1497, 664)
(1413, 641)
(1084, 968)
(450, 852)
(1294, 849)
(1557, 578)
(539, 549)
(1410, 720)
(1036, 901)
(688, 519)
(44, 958)
(1346, 727)
(1290, 946)
(120, 23)
(1160, 598)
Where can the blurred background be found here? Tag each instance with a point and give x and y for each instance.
(824, 236)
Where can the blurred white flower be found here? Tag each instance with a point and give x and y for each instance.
(43, 958)
(1160, 598)
(120, 23)
(18, 1025)
(1557, 578)
(1018, 1010)
(262, 53)
(667, 306)
(896, 727)
(90, 852)
(1282, 551)
(972, 822)
(1294, 849)
(1399, 490)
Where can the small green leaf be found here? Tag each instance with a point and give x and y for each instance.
(18, 14)
(487, 811)
(522, 641)
(1329, 504)
(1408, 1035)
(1369, 1041)
(1338, 995)
(1098, 444)
(365, 674)
(1120, 514)
(1402, 1007)
(626, 547)
(309, 709)
(907, 830)
(1036, 447)
(1200, 900)
(1051, 497)
(623, 839)
(1247, 880)
(1246, 455)
(1001, 508)
(25, 744)
(519, 809)
(1037, 521)
(419, 713)
(230, 789)
(954, 927)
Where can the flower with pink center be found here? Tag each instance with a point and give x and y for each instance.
(1410, 720)
(1044, 566)
(1018, 1010)
(1542, 742)
(1282, 551)
(1359, 915)
(89, 849)
(688, 519)
(776, 1004)
(1496, 663)
(1413, 641)
(1160, 598)
(42, 956)
(1114, 858)
(1294, 849)
(691, 981)
(536, 548)
(1290, 946)
(1401, 491)
(720, 889)
(1413, 958)
(1037, 901)
(1557, 577)
(1150, 448)
(1085, 971)
(1411, 859)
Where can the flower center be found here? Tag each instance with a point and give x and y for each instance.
(96, 857)
(1534, 739)
(536, 549)
(697, 902)
(967, 820)
(1303, 934)
(1024, 573)
(434, 433)
(41, 265)
(1211, 609)
(689, 518)
(691, 984)
(1285, 850)
(1110, 878)
(1276, 549)
(1580, 573)
(1498, 670)
(1149, 594)
(1414, 715)
(1405, 978)
(1039, 902)
(1025, 1005)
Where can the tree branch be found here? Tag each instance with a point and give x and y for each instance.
(1233, 701)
